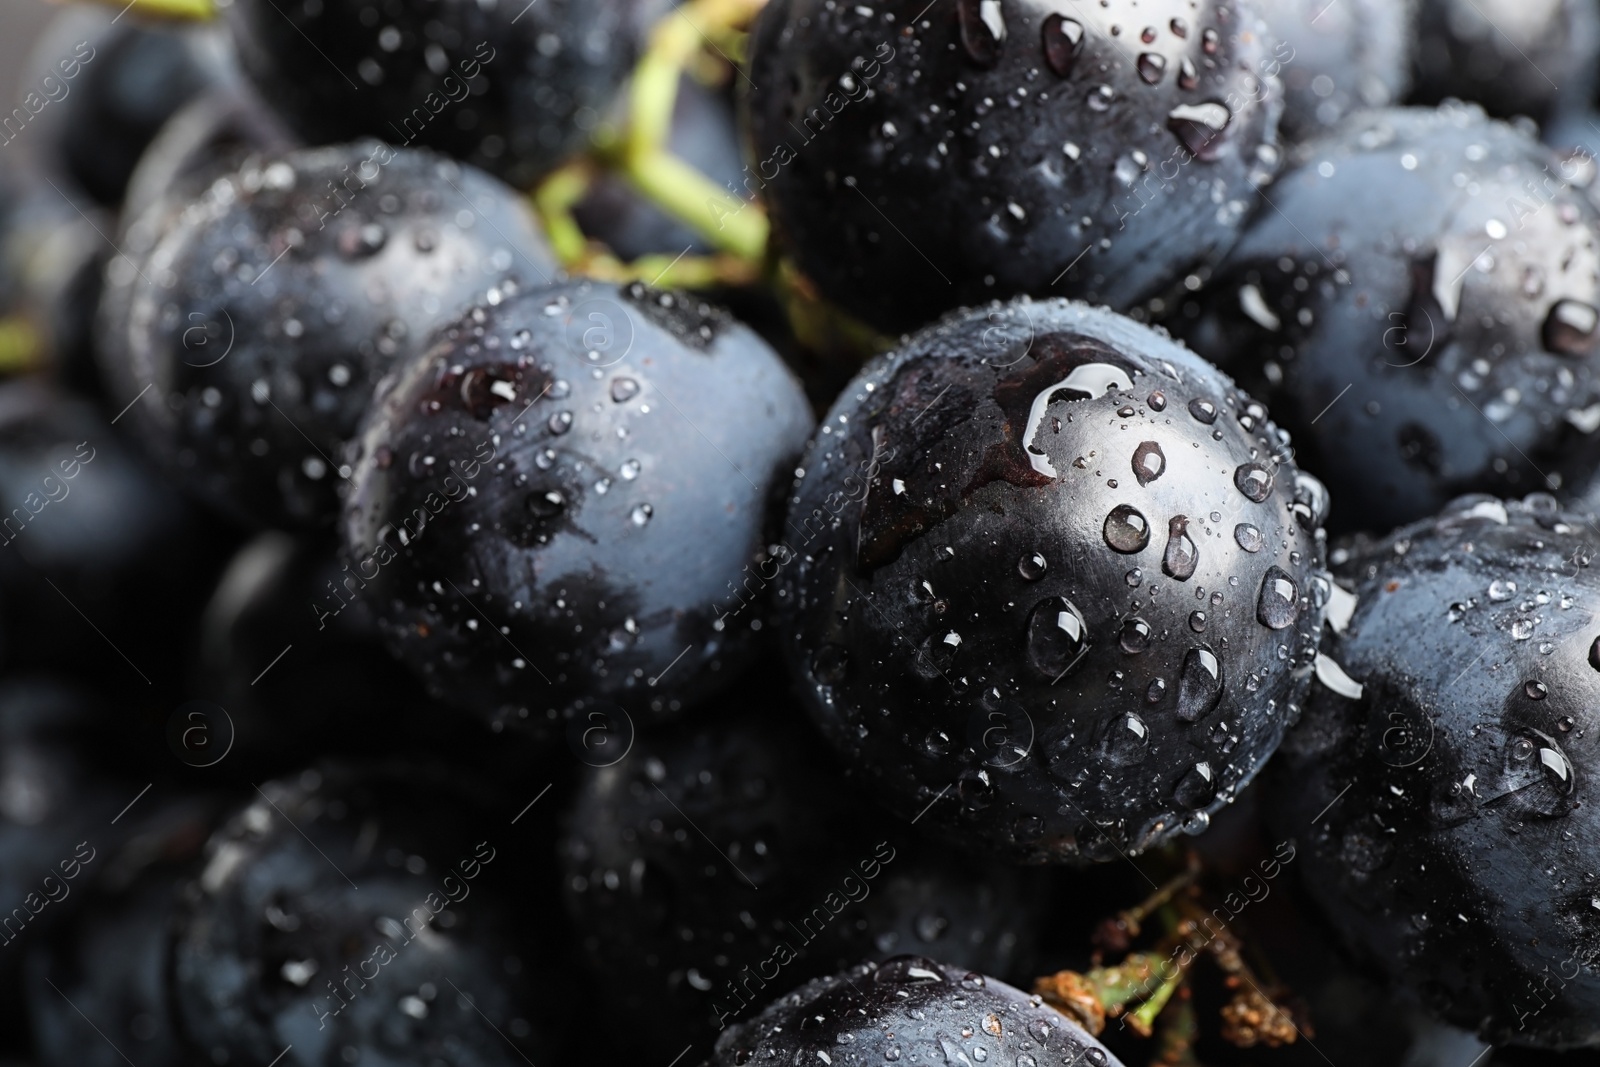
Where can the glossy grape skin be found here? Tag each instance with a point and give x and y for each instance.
(286, 290)
(672, 930)
(913, 162)
(565, 500)
(1438, 788)
(914, 1007)
(509, 87)
(966, 632)
(1428, 342)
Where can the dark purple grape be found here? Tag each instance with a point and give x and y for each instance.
(1003, 631)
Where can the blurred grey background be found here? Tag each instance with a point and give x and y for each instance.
(21, 22)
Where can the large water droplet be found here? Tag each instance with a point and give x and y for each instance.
(1537, 777)
(983, 28)
(1126, 741)
(1571, 328)
(1063, 40)
(1200, 127)
(1279, 604)
(1057, 637)
(1313, 495)
(908, 970)
(1249, 537)
(1197, 788)
(1182, 555)
(1127, 530)
(1090, 380)
(1149, 462)
(1199, 684)
(938, 654)
(830, 663)
(1135, 636)
(1203, 410)
(1254, 481)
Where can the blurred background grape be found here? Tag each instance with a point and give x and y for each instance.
(21, 22)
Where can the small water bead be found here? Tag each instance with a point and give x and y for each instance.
(1188, 76)
(983, 28)
(1127, 530)
(1179, 28)
(1254, 481)
(1135, 636)
(1209, 40)
(1182, 555)
(1063, 40)
(1203, 410)
(1200, 126)
(1501, 591)
(1149, 462)
(1249, 537)
(1157, 401)
(641, 514)
(1197, 621)
(1136, 576)
(1156, 691)
(1196, 823)
(623, 389)
(546, 505)
(1151, 66)
(629, 470)
(1535, 690)
(1571, 328)
(1032, 566)
(560, 422)
(1565, 724)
